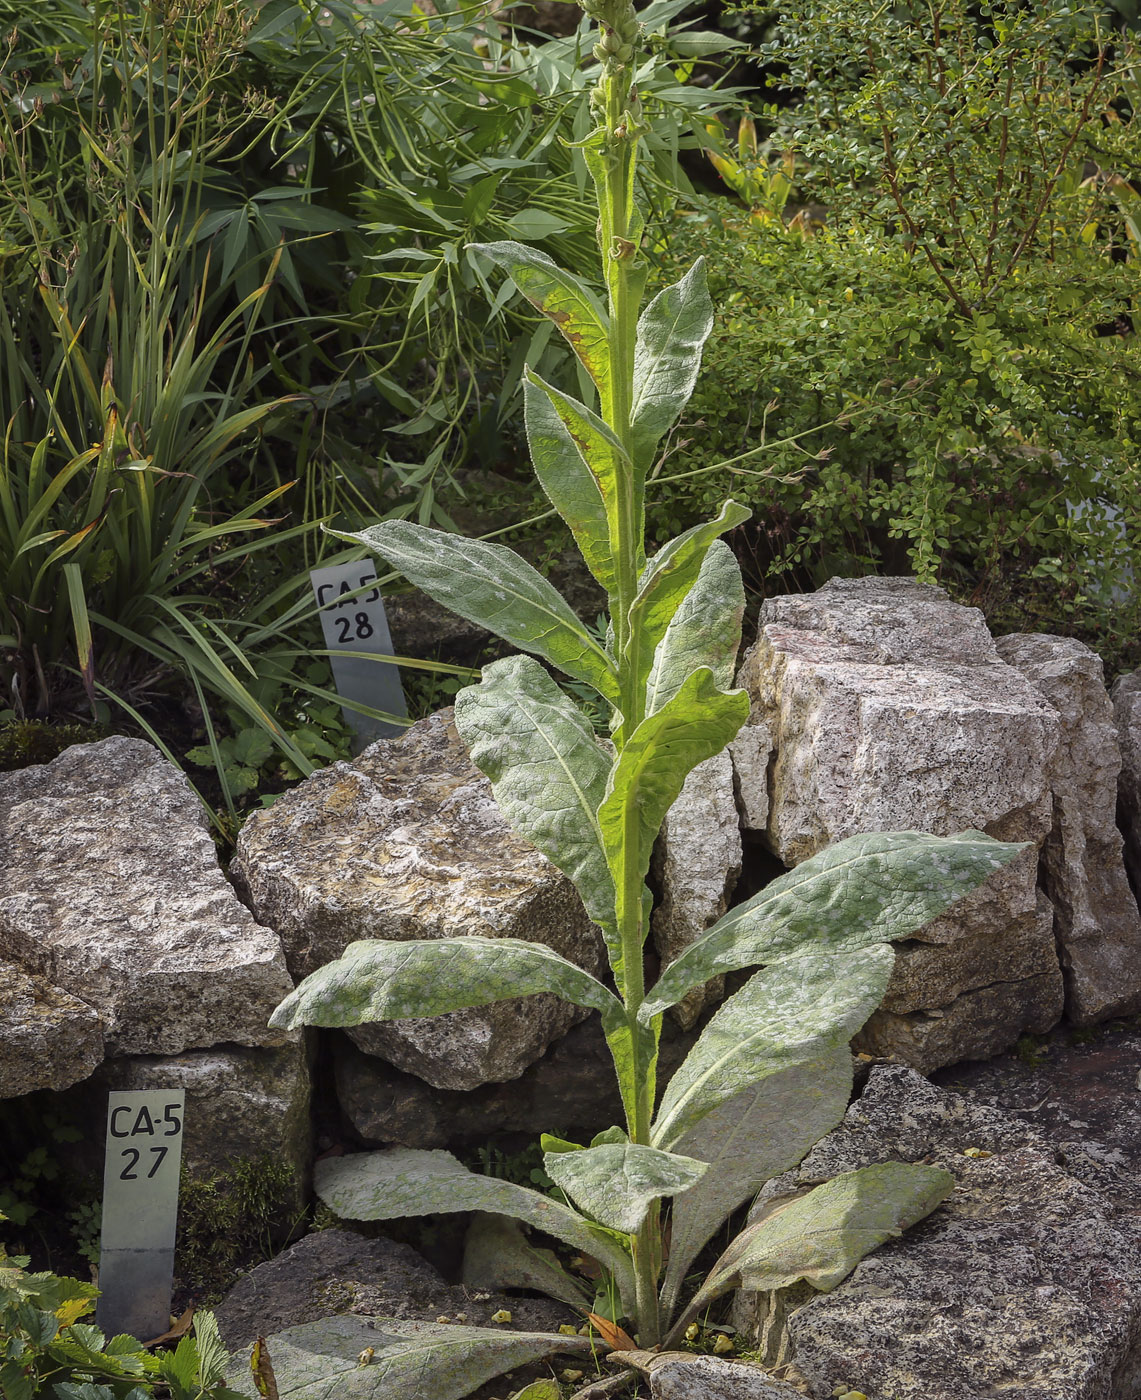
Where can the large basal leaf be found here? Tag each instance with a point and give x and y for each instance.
(665, 581)
(795, 1011)
(383, 980)
(656, 760)
(617, 1183)
(873, 888)
(547, 771)
(578, 461)
(490, 585)
(402, 1181)
(671, 333)
(822, 1236)
(561, 296)
(705, 630)
(762, 1132)
(362, 1358)
(498, 1255)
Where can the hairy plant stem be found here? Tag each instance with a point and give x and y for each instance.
(618, 238)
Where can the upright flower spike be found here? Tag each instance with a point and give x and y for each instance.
(595, 810)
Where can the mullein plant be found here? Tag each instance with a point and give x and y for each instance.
(771, 1072)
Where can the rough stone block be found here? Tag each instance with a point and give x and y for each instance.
(571, 1092)
(407, 842)
(975, 1025)
(48, 1038)
(1097, 923)
(112, 889)
(697, 860)
(1025, 1282)
(243, 1104)
(890, 709)
(750, 752)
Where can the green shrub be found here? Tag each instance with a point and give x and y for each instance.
(952, 355)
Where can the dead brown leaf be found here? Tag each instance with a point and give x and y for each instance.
(611, 1333)
(260, 1365)
(177, 1329)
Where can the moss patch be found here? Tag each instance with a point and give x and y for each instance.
(229, 1222)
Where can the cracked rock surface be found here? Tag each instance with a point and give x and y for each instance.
(1097, 923)
(1025, 1282)
(407, 842)
(697, 860)
(111, 892)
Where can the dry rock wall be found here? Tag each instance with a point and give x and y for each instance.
(878, 704)
(891, 709)
(127, 960)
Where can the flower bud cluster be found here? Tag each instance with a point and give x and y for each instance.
(620, 30)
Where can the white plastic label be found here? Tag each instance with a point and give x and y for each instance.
(353, 620)
(140, 1211)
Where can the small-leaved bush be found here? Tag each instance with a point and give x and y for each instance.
(954, 355)
(771, 1071)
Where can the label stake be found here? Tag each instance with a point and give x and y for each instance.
(140, 1211)
(353, 620)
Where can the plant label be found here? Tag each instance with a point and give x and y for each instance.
(140, 1210)
(356, 633)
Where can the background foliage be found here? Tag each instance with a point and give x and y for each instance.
(959, 328)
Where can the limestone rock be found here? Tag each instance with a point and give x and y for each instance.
(969, 976)
(891, 710)
(407, 842)
(48, 1038)
(750, 752)
(571, 1092)
(975, 1025)
(335, 1272)
(111, 888)
(1097, 923)
(1126, 695)
(243, 1104)
(680, 1376)
(1025, 1282)
(697, 860)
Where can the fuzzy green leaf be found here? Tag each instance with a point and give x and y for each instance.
(490, 585)
(617, 1183)
(498, 1255)
(763, 1131)
(577, 460)
(795, 1011)
(402, 1181)
(705, 630)
(695, 724)
(666, 580)
(873, 888)
(547, 771)
(408, 1361)
(821, 1237)
(671, 333)
(561, 296)
(386, 980)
